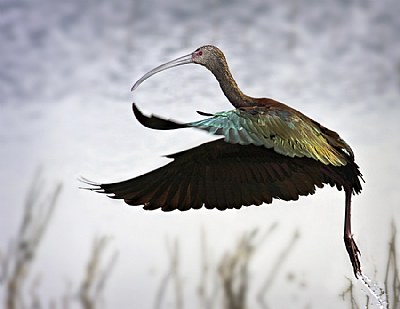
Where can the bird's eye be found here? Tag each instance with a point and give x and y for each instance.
(197, 53)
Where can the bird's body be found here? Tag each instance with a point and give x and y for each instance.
(269, 151)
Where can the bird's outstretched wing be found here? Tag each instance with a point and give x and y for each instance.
(283, 131)
(223, 175)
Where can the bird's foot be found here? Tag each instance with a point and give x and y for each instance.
(354, 254)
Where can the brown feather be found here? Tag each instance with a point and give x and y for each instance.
(212, 174)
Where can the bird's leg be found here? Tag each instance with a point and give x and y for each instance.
(351, 246)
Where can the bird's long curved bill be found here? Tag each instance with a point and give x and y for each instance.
(178, 61)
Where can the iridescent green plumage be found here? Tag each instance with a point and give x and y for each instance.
(286, 133)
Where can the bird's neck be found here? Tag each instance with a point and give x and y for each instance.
(230, 87)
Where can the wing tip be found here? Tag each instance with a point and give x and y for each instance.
(154, 122)
(93, 186)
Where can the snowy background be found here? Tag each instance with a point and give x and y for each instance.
(66, 68)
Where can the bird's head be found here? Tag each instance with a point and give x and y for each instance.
(207, 55)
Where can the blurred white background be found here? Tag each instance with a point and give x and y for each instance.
(66, 71)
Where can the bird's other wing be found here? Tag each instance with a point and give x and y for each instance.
(288, 133)
(284, 131)
(223, 175)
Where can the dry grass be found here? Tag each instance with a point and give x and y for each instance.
(225, 283)
(17, 259)
(38, 210)
(94, 280)
(392, 276)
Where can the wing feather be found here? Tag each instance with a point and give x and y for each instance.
(223, 175)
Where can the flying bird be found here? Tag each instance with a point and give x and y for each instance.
(268, 151)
